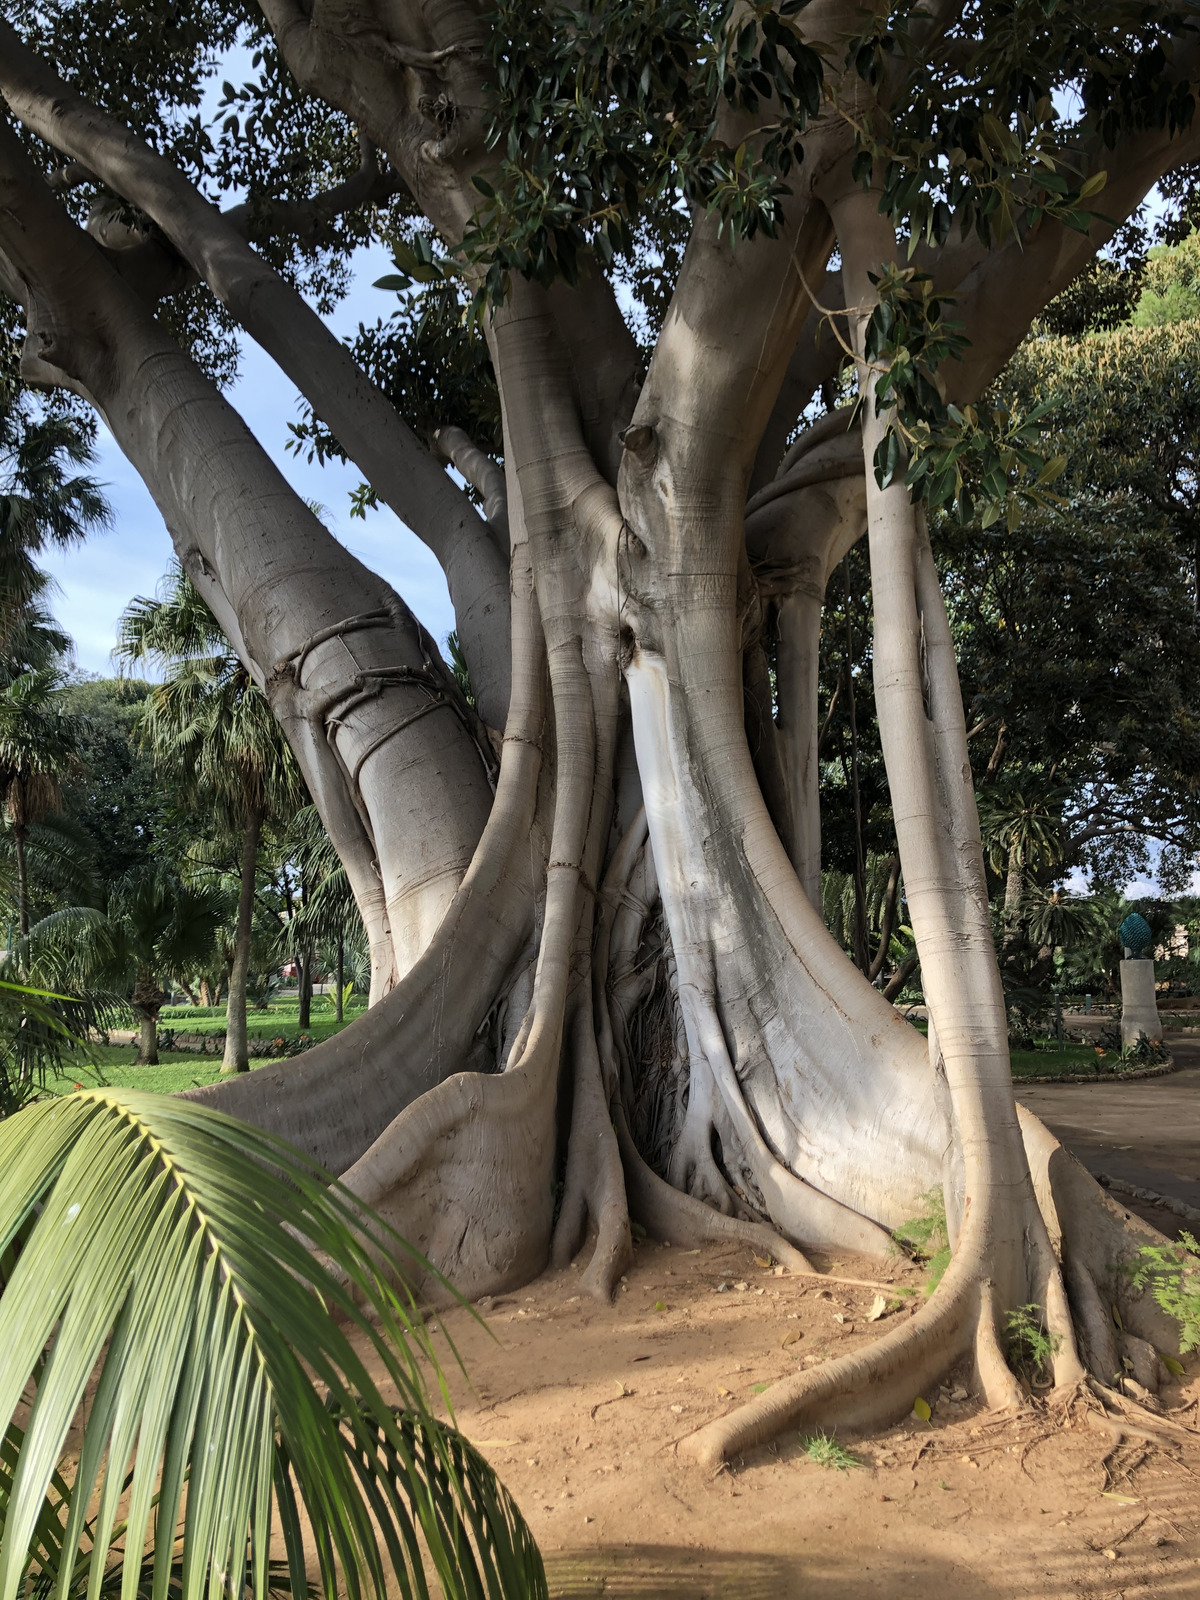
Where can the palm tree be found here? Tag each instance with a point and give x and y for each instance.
(329, 915)
(223, 1302)
(43, 500)
(38, 741)
(1021, 833)
(215, 737)
(153, 927)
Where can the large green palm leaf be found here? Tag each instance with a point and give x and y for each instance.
(204, 1275)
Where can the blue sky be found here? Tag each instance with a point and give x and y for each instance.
(97, 580)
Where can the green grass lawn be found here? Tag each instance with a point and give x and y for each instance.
(113, 1064)
(281, 1018)
(1046, 1060)
(1049, 1061)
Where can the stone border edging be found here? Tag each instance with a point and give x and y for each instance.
(1125, 1076)
(201, 1044)
(1179, 1208)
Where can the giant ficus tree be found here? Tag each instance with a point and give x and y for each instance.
(652, 237)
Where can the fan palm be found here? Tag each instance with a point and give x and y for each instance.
(43, 501)
(37, 748)
(215, 737)
(228, 1301)
(154, 926)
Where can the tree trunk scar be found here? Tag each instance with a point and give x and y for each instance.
(399, 727)
(365, 619)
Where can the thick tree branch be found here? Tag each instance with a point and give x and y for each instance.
(360, 416)
(346, 667)
(481, 472)
(307, 220)
(1002, 295)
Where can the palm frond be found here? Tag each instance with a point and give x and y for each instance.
(197, 1269)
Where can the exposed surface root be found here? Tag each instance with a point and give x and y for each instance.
(1095, 1238)
(670, 1215)
(874, 1386)
(464, 1176)
(594, 1184)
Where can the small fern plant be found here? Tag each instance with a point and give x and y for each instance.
(1029, 1346)
(1172, 1274)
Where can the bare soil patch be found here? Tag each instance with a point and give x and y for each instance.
(581, 1406)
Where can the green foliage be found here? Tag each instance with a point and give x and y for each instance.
(825, 1451)
(958, 458)
(974, 136)
(44, 499)
(432, 361)
(1144, 1053)
(114, 796)
(209, 726)
(1028, 1346)
(153, 927)
(1172, 1274)
(607, 111)
(38, 744)
(43, 1034)
(1172, 285)
(458, 666)
(208, 1276)
(926, 1238)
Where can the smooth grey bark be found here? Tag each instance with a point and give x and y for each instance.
(830, 1115)
(373, 715)
(362, 419)
(237, 1055)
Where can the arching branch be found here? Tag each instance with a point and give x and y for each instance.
(360, 416)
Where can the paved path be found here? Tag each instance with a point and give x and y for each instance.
(1146, 1131)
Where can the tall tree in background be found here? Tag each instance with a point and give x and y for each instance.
(214, 735)
(44, 502)
(151, 928)
(329, 917)
(37, 747)
(663, 477)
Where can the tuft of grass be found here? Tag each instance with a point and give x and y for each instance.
(825, 1451)
(1172, 1274)
(1028, 1345)
(926, 1238)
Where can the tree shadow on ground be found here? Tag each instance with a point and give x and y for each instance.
(674, 1572)
(858, 1572)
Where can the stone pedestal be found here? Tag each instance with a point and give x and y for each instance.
(1139, 1012)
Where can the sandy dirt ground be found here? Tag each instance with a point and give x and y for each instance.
(581, 1407)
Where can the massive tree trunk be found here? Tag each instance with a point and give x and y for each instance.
(605, 964)
(237, 1057)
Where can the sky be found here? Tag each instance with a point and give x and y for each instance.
(97, 580)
